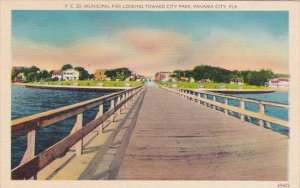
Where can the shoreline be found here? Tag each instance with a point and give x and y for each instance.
(77, 88)
(238, 91)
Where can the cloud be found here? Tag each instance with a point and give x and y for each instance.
(232, 50)
(147, 51)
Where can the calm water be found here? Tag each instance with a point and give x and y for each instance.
(277, 112)
(27, 101)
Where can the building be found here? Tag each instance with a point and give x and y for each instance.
(70, 74)
(57, 74)
(99, 74)
(278, 82)
(237, 81)
(163, 76)
(20, 78)
(137, 77)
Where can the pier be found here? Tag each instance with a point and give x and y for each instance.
(153, 133)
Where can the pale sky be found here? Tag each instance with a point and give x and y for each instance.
(149, 42)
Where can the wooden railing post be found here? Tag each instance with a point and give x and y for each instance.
(205, 97)
(195, 95)
(262, 111)
(124, 98)
(124, 105)
(242, 106)
(226, 103)
(268, 125)
(112, 105)
(214, 99)
(131, 93)
(78, 126)
(99, 114)
(30, 151)
(118, 102)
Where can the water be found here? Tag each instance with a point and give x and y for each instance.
(27, 101)
(276, 112)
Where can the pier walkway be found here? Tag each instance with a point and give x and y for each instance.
(175, 138)
(150, 133)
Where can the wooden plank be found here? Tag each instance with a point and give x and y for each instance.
(59, 149)
(188, 141)
(259, 116)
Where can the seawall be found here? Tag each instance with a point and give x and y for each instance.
(77, 88)
(237, 91)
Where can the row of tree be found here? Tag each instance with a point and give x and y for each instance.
(217, 74)
(119, 73)
(30, 74)
(35, 74)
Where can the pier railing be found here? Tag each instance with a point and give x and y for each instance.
(31, 164)
(209, 99)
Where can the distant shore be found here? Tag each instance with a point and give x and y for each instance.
(77, 88)
(280, 89)
(18, 84)
(240, 91)
(246, 91)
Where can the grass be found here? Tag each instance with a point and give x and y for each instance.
(92, 83)
(185, 85)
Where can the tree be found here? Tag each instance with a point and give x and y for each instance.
(249, 77)
(44, 75)
(66, 67)
(216, 74)
(119, 73)
(83, 74)
(30, 77)
(281, 75)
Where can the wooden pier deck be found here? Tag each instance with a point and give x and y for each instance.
(176, 139)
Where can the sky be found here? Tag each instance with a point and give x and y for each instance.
(150, 41)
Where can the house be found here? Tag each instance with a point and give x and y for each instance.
(20, 78)
(278, 82)
(184, 79)
(70, 74)
(237, 81)
(99, 74)
(163, 76)
(205, 81)
(137, 77)
(57, 74)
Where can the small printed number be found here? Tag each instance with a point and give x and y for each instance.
(282, 185)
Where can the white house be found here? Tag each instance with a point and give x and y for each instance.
(279, 82)
(70, 74)
(57, 74)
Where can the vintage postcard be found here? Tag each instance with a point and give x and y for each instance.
(150, 93)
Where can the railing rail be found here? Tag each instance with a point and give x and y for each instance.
(239, 98)
(261, 116)
(31, 164)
